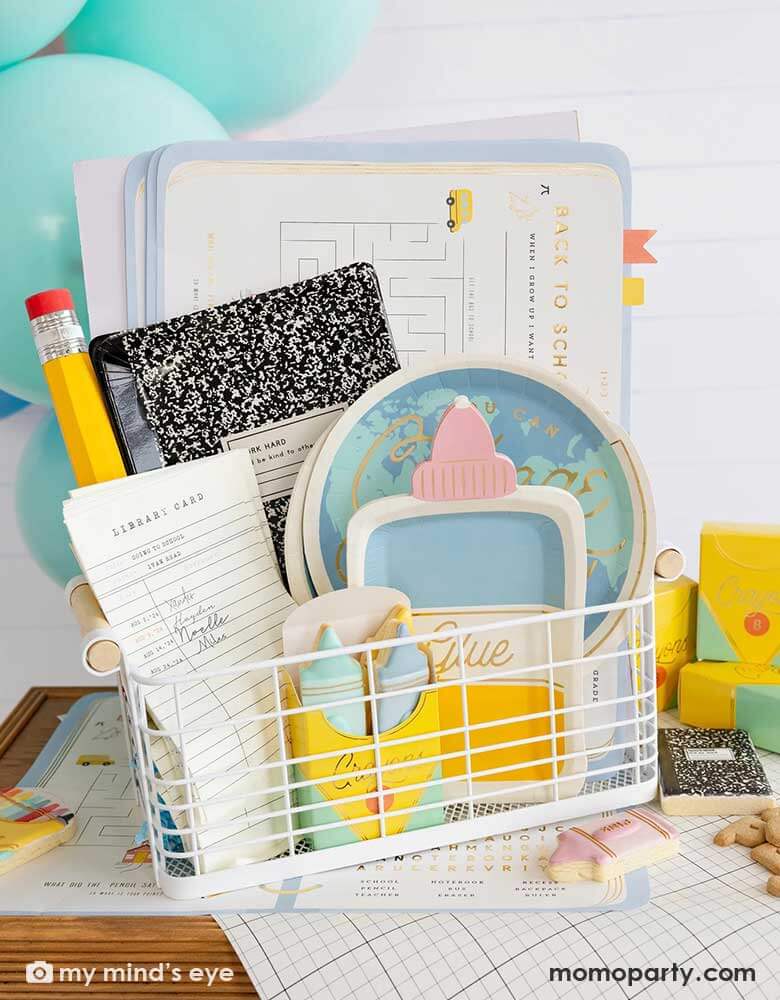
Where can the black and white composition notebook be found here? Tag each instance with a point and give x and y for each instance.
(179, 560)
(268, 373)
(710, 772)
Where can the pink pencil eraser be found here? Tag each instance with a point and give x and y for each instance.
(601, 849)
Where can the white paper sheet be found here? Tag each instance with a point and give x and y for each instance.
(99, 188)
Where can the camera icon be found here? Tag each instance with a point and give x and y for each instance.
(39, 972)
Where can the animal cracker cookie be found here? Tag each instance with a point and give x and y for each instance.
(749, 831)
(769, 856)
(771, 818)
(603, 849)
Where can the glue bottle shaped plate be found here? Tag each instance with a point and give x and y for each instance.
(471, 547)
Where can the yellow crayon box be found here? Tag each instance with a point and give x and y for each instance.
(675, 635)
(739, 593)
(343, 798)
(711, 694)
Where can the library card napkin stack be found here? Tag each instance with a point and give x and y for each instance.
(180, 563)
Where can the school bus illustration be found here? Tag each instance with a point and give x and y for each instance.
(87, 759)
(461, 208)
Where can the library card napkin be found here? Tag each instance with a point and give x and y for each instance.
(180, 563)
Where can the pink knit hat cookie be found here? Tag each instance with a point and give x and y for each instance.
(464, 464)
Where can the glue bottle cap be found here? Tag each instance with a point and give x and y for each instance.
(464, 464)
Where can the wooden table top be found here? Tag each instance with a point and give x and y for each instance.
(97, 941)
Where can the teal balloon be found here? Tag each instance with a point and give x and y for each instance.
(247, 60)
(29, 25)
(43, 479)
(54, 110)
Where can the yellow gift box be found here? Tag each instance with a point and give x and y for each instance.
(708, 691)
(739, 593)
(675, 635)
(342, 794)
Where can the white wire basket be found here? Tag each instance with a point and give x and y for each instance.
(262, 788)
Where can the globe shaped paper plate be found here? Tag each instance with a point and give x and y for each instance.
(298, 579)
(552, 432)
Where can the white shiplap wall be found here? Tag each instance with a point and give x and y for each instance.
(691, 91)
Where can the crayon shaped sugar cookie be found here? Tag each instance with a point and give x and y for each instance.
(31, 823)
(773, 885)
(601, 849)
(749, 831)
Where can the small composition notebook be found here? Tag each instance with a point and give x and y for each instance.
(268, 373)
(180, 563)
(710, 772)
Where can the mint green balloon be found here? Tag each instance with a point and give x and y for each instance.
(43, 479)
(55, 110)
(246, 60)
(29, 25)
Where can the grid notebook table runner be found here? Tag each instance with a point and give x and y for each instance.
(709, 911)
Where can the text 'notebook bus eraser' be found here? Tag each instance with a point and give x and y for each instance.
(464, 464)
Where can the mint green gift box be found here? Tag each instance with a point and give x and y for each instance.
(757, 710)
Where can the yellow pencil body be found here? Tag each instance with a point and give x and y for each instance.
(78, 402)
(83, 419)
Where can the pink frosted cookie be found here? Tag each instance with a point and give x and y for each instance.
(602, 849)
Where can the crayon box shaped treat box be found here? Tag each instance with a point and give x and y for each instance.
(343, 785)
(470, 547)
(739, 594)
(675, 635)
